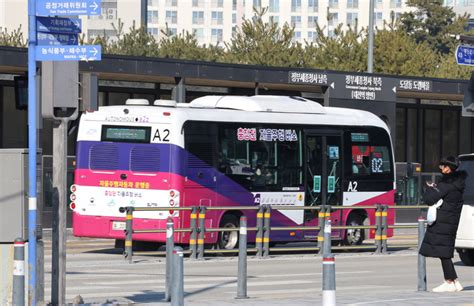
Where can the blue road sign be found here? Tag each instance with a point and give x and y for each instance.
(58, 25)
(465, 55)
(67, 7)
(69, 53)
(55, 39)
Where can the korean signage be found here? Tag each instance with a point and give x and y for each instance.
(307, 78)
(362, 87)
(415, 85)
(250, 134)
(67, 7)
(465, 55)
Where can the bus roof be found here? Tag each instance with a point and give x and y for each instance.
(263, 109)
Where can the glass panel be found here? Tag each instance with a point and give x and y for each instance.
(412, 135)
(313, 170)
(118, 98)
(400, 142)
(465, 135)
(13, 120)
(432, 140)
(450, 132)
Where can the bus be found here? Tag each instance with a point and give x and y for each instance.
(230, 151)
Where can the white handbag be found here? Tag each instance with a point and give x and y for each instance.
(432, 210)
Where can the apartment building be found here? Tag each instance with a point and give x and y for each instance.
(214, 21)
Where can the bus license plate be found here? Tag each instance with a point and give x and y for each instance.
(118, 225)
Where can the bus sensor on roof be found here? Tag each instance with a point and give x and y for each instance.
(137, 102)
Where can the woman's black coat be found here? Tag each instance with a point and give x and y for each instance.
(441, 235)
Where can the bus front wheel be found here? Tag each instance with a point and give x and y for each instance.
(354, 236)
(228, 240)
(467, 256)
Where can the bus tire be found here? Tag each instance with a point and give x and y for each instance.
(228, 240)
(354, 236)
(467, 256)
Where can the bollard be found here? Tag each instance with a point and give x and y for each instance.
(327, 237)
(329, 280)
(321, 218)
(259, 234)
(177, 286)
(378, 229)
(421, 258)
(19, 272)
(128, 234)
(266, 231)
(202, 230)
(193, 235)
(242, 267)
(384, 228)
(169, 258)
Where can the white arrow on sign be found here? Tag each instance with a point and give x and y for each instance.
(94, 6)
(74, 40)
(94, 51)
(394, 89)
(332, 85)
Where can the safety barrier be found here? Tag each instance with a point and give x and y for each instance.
(263, 229)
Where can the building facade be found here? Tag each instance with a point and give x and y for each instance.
(214, 21)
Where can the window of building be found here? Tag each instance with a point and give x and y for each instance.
(153, 31)
(395, 3)
(217, 18)
(257, 4)
(274, 6)
(102, 33)
(296, 21)
(216, 35)
(378, 18)
(197, 3)
(172, 31)
(274, 19)
(333, 19)
(378, 4)
(217, 3)
(153, 2)
(296, 6)
(198, 17)
(352, 4)
(351, 19)
(398, 15)
(333, 3)
(152, 16)
(312, 21)
(234, 30)
(234, 18)
(171, 2)
(331, 33)
(172, 17)
(296, 36)
(312, 35)
(312, 6)
(199, 34)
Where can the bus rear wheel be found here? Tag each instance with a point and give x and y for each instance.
(354, 236)
(228, 240)
(467, 256)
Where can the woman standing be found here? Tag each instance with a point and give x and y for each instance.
(441, 235)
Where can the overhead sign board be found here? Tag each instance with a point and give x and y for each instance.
(362, 87)
(58, 25)
(55, 39)
(67, 7)
(415, 85)
(68, 53)
(465, 55)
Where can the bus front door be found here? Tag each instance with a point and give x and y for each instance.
(323, 178)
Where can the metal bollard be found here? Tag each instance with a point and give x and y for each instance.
(128, 234)
(266, 231)
(242, 267)
(259, 234)
(327, 238)
(19, 272)
(384, 228)
(321, 218)
(421, 259)
(378, 229)
(202, 230)
(329, 280)
(177, 288)
(193, 235)
(169, 258)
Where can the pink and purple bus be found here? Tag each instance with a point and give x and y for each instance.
(230, 151)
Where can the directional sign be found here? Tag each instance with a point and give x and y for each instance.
(55, 39)
(58, 25)
(465, 55)
(69, 53)
(67, 7)
(362, 87)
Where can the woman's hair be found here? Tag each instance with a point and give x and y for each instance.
(450, 161)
